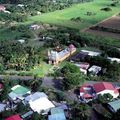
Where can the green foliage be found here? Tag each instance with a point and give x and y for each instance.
(36, 116)
(70, 68)
(105, 98)
(116, 116)
(6, 114)
(17, 56)
(5, 91)
(13, 17)
(79, 112)
(72, 76)
(21, 108)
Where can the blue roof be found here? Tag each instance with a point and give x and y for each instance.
(115, 105)
(59, 116)
(57, 111)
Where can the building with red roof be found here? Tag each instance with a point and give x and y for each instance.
(106, 87)
(14, 117)
(88, 91)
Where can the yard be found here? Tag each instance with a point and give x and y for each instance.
(63, 17)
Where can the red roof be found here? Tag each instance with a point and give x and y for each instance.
(71, 46)
(87, 96)
(103, 86)
(82, 88)
(14, 117)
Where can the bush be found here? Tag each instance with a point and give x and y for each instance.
(106, 9)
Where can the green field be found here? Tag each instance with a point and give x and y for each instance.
(63, 17)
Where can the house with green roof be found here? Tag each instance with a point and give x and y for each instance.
(114, 105)
(18, 92)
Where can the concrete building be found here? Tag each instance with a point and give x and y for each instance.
(57, 57)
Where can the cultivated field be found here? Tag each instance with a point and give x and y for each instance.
(108, 28)
(64, 17)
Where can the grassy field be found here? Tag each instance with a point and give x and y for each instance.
(63, 17)
(41, 70)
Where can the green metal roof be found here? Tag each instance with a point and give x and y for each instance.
(27, 114)
(20, 90)
(115, 105)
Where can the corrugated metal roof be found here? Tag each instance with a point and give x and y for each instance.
(60, 116)
(56, 110)
(115, 105)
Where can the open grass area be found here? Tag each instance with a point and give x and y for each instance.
(41, 70)
(63, 17)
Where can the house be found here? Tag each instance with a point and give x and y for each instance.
(2, 8)
(2, 107)
(18, 92)
(114, 59)
(34, 27)
(91, 53)
(114, 105)
(105, 87)
(83, 66)
(56, 57)
(91, 91)
(94, 70)
(21, 41)
(20, 5)
(39, 102)
(35, 96)
(57, 114)
(87, 92)
(14, 117)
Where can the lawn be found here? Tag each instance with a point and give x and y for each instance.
(41, 70)
(63, 17)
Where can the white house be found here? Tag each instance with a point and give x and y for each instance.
(94, 70)
(91, 53)
(114, 59)
(39, 102)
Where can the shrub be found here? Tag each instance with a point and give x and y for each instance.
(106, 9)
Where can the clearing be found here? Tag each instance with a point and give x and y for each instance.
(110, 27)
(89, 13)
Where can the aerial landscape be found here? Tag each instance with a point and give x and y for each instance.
(59, 59)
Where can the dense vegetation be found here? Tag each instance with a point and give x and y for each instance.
(14, 55)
